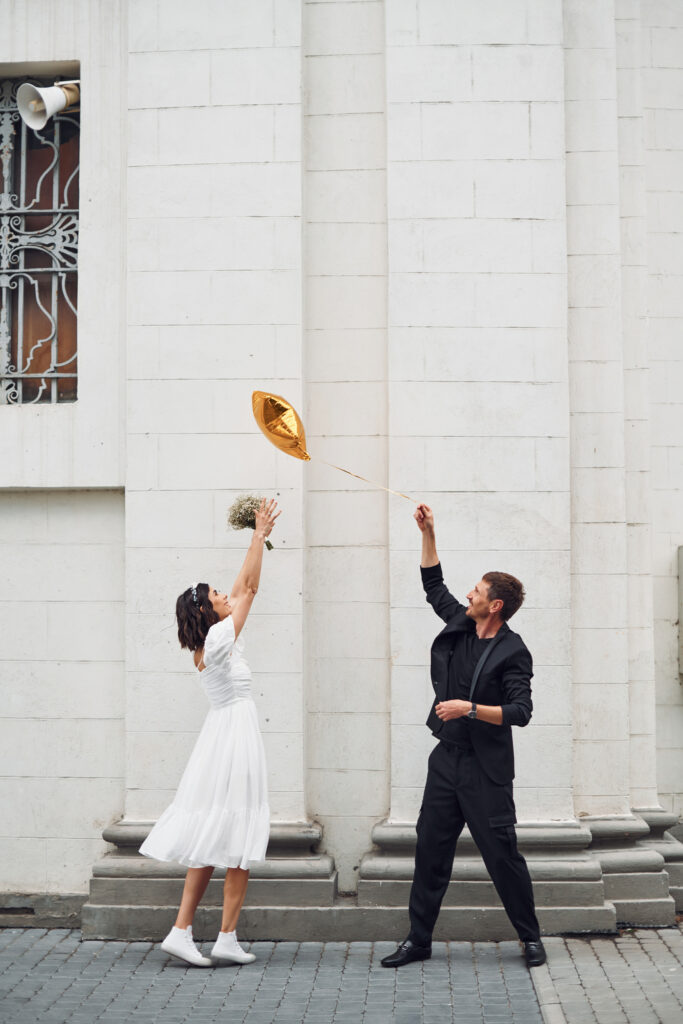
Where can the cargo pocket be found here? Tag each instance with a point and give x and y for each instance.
(504, 826)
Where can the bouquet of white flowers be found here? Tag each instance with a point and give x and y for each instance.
(242, 514)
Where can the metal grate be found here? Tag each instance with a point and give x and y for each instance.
(38, 254)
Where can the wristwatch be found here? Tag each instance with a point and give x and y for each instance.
(473, 712)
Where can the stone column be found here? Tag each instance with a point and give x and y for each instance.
(599, 556)
(479, 416)
(610, 605)
(633, 230)
(346, 582)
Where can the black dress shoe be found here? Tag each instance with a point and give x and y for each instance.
(534, 953)
(406, 953)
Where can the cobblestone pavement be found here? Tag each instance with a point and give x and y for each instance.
(51, 977)
(636, 978)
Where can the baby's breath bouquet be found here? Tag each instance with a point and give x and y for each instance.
(242, 514)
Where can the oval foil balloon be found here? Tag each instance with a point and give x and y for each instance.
(281, 424)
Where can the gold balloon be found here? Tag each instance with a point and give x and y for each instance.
(281, 424)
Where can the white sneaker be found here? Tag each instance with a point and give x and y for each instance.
(228, 948)
(180, 944)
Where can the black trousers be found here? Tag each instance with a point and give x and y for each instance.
(459, 792)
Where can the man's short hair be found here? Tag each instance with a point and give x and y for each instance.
(506, 588)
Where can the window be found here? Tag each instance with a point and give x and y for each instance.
(38, 253)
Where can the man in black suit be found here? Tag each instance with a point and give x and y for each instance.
(470, 773)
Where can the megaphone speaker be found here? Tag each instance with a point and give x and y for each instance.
(37, 106)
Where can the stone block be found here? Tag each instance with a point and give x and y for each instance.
(591, 126)
(364, 621)
(346, 302)
(429, 74)
(219, 190)
(588, 26)
(587, 589)
(337, 684)
(475, 131)
(592, 179)
(546, 130)
(411, 694)
(516, 22)
(599, 655)
(339, 740)
(600, 547)
(433, 189)
(589, 717)
(597, 235)
(598, 495)
(285, 760)
(345, 142)
(345, 84)
(143, 137)
(474, 245)
(342, 249)
(517, 72)
(216, 135)
(335, 28)
(589, 74)
(350, 518)
(69, 808)
(252, 76)
(204, 26)
(601, 773)
(476, 463)
(352, 793)
(142, 26)
(176, 79)
(352, 196)
(431, 300)
(351, 569)
(547, 744)
(404, 132)
(519, 189)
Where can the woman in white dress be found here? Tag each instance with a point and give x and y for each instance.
(220, 815)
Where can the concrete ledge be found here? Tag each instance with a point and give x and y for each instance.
(41, 910)
(343, 922)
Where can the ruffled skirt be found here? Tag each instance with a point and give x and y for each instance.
(220, 815)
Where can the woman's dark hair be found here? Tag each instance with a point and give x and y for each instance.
(195, 616)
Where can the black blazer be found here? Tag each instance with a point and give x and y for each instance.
(505, 680)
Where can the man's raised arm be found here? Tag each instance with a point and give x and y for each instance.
(424, 517)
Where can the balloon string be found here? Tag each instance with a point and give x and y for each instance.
(373, 483)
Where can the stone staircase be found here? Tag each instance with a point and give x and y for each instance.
(588, 875)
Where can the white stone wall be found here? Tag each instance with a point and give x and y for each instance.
(214, 311)
(662, 49)
(61, 667)
(449, 233)
(599, 572)
(478, 415)
(345, 370)
(79, 444)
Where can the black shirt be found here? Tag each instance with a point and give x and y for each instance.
(466, 653)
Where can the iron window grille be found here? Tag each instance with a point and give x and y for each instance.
(38, 254)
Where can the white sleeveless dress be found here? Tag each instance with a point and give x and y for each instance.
(220, 815)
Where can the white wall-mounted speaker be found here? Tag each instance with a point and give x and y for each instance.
(37, 105)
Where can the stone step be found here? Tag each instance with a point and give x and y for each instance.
(637, 886)
(646, 913)
(395, 893)
(317, 892)
(344, 921)
(128, 864)
(391, 866)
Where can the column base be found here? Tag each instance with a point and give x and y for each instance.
(589, 875)
(567, 880)
(134, 897)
